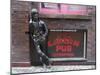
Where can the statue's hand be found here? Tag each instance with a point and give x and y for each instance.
(43, 38)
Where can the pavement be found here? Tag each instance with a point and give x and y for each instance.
(38, 69)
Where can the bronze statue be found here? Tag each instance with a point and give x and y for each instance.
(39, 32)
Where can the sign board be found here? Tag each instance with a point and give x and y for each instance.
(49, 5)
(67, 45)
(62, 9)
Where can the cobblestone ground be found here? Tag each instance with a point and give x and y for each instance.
(17, 70)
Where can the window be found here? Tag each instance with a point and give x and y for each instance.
(67, 45)
(50, 5)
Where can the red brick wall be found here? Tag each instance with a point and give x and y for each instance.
(19, 25)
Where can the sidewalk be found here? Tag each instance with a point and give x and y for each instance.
(17, 70)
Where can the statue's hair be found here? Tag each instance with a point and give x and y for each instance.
(34, 10)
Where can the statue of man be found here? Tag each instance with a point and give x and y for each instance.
(39, 32)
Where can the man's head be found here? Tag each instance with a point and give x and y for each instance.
(34, 14)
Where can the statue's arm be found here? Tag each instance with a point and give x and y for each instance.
(46, 30)
(31, 27)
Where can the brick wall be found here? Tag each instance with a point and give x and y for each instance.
(19, 25)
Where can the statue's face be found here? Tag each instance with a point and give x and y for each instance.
(35, 16)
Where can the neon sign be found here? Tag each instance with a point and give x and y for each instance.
(67, 44)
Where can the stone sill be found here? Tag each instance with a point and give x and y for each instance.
(61, 63)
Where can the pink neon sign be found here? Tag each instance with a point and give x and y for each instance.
(53, 8)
